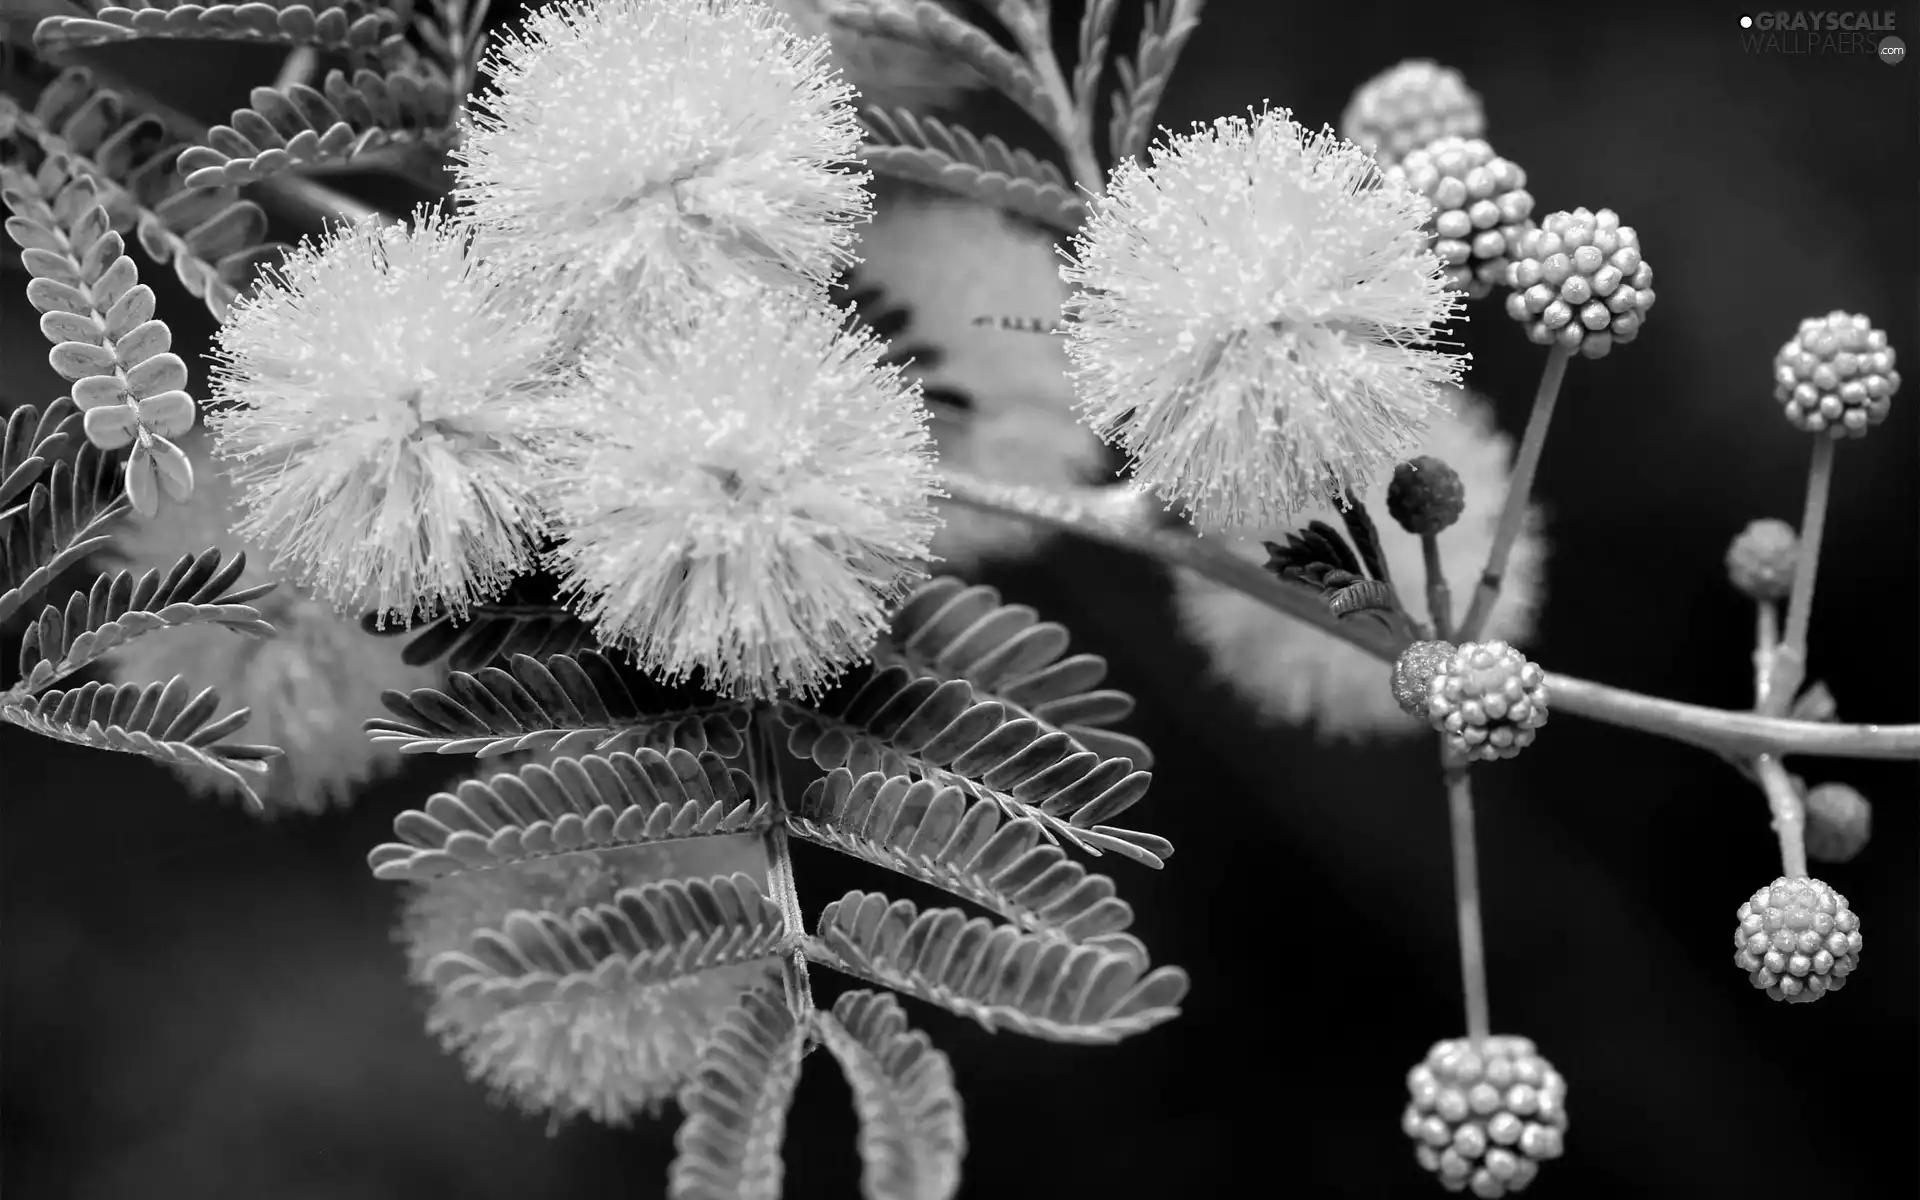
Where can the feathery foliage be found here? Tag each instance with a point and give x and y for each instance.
(64, 518)
(336, 123)
(940, 31)
(524, 619)
(911, 1134)
(928, 151)
(736, 1105)
(348, 25)
(596, 802)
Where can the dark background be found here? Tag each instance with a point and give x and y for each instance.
(199, 1005)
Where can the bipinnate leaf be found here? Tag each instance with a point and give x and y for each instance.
(728, 1147)
(162, 721)
(525, 619)
(902, 723)
(949, 36)
(339, 25)
(64, 518)
(123, 606)
(1144, 78)
(949, 629)
(1036, 984)
(570, 704)
(596, 802)
(924, 150)
(912, 1136)
(652, 936)
(342, 119)
(214, 240)
(30, 441)
(942, 837)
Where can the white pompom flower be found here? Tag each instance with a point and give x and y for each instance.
(1258, 319)
(958, 269)
(629, 151)
(758, 489)
(1296, 673)
(606, 1053)
(372, 398)
(309, 688)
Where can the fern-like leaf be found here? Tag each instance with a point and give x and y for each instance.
(30, 441)
(934, 834)
(299, 125)
(1144, 78)
(158, 720)
(728, 1147)
(1365, 535)
(901, 723)
(924, 150)
(592, 803)
(571, 704)
(64, 518)
(1096, 32)
(948, 36)
(99, 317)
(339, 25)
(212, 238)
(1042, 986)
(121, 607)
(912, 1136)
(525, 619)
(952, 630)
(648, 937)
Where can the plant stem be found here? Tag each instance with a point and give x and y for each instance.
(1718, 730)
(763, 764)
(1789, 815)
(1439, 595)
(1513, 517)
(1030, 25)
(1466, 895)
(1766, 643)
(1790, 662)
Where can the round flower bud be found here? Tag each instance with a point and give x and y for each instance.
(1484, 1115)
(1481, 208)
(1760, 560)
(1488, 700)
(1797, 940)
(1836, 375)
(1579, 282)
(1414, 670)
(1403, 108)
(1839, 821)
(1426, 495)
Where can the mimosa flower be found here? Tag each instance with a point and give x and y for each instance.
(1257, 319)
(757, 491)
(372, 398)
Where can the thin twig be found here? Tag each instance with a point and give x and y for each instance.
(1439, 595)
(1789, 815)
(1466, 895)
(1513, 517)
(1790, 662)
(1713, 729)
(763, 764)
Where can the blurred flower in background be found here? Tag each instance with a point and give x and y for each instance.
(972, 280)
(309, 688)
(1295, 673)
(607, 1054)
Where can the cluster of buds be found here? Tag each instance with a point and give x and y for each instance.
(1797, 940)
(1836, 375)
(1484, 1114)
(1579, 282)
(1761, 559)
(1409, 106)
(1488, 700)
(1481, 208)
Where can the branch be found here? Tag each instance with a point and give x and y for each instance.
(1740, 733)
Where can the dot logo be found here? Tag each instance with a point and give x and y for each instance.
(1746, 22)
(1892, 50)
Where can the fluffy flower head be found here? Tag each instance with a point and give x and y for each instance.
(375, 412)
(309, 688)
(758, 489)
(631, 148)
(1257, 319)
